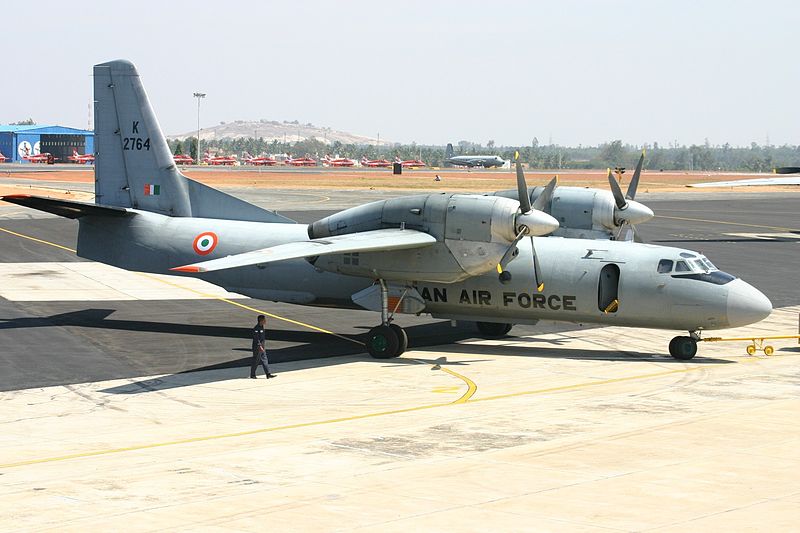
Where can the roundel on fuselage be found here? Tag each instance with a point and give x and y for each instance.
(205, 243)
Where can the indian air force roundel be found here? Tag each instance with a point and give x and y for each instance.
(205, 243)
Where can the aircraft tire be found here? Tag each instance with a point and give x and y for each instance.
(493, 330)
(683, 348)
(382, 342)
(402, 338)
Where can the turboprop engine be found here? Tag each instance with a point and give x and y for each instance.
(473, 234)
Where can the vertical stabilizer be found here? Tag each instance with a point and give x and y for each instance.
(134, 166)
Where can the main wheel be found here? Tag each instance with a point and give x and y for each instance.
(402, 339)
(769, 350)
(683, 348)
(382, 342)
(493, 330)
(751, 349)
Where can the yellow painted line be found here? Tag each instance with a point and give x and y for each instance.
(253, 309)
(206, 295)
(38, 240)
(728, 223)
(471, 387)
(588, 384)
(258, 431)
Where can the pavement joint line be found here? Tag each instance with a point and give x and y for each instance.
(727, 223)
(221, 299)
(300, 425)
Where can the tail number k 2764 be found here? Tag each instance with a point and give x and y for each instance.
(135, 143)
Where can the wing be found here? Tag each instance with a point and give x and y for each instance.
(753, 182)
(381, 240)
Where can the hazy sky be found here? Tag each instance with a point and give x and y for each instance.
(579, 72)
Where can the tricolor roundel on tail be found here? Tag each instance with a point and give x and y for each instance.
(205, 243)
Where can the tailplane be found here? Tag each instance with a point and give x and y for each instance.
(449, 152)
(134, 166)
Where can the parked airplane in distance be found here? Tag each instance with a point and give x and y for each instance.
(44, 157)
(792, 180)
(338, 161)
(485, 161)
(259, 161)
(410, 163)
(182, 159)
(2, 158)
(300, 161)
(224, 160)
(375, 163)
(78, 158)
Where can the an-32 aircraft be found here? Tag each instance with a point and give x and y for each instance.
(479, 258)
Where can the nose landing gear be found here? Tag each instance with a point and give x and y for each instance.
(684, 348)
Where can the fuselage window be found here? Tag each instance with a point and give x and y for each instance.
(681, 266)
(665, 266)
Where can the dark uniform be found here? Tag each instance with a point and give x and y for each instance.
(259, 351)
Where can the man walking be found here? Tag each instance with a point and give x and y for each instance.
(260, 348)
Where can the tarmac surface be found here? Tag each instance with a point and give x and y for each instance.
(126, 404)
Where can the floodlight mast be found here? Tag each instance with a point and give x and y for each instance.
(199, 97)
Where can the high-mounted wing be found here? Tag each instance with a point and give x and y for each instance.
(382, 240)
(795, 180)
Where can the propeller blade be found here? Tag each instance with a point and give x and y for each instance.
(509, 255)
(636, 235)
(537, 271)
(547, 194)
(616, 191)
(522, 187)
(631, 194)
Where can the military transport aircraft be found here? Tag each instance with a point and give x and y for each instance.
(485, 161)
(465, 257)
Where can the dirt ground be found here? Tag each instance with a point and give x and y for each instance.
(422, 180)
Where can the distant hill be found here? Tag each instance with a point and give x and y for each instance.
(274, 130)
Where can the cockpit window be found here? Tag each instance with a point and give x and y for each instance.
(681, 266)
(665, 266)
(709, 264)
(698, 265)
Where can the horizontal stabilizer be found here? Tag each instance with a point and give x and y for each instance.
(66, 208)
(382, 240)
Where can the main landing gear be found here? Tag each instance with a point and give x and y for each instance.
(493, 330)
(684, 348)
(387, 340)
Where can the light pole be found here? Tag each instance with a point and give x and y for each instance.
(199, 97)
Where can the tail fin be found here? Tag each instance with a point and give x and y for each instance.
(134, 166)
(449, 152)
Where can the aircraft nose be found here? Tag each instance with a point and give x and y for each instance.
(635, 213)
(538, 222)
(746, 304)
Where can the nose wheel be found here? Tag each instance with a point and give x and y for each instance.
(683, 348)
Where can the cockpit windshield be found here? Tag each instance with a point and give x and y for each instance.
(695, 264)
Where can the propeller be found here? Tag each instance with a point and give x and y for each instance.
(628, 211)
(528, 214)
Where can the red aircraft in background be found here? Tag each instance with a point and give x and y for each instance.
(261, 160)
(410, 163)
(44, 157)
(182, 159)
(375, 163)
(301, 162)
(78, 158)
(2, 158)
(226, 160)
(338, 161)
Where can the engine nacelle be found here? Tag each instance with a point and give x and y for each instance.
(586, 213)
(472, 233)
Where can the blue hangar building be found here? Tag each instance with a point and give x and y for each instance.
(16, 142)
